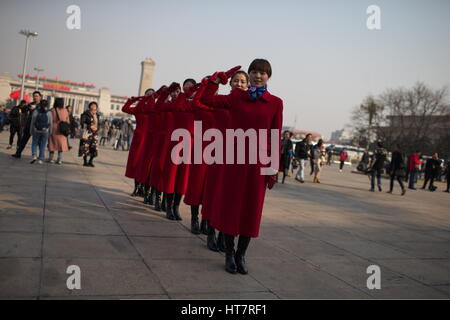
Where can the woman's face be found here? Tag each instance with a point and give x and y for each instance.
(239, 81)
(287, 135)
(175, 94)
(187, 86)
(93, 108)
(258, 78)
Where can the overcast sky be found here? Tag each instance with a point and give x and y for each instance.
(324, 59)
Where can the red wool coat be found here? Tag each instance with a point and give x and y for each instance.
(163, 130)
(175, 176)
(210, 118)
(139, 139)
(234, 193)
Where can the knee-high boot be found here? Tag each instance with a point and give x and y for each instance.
(240, 254)
(204, 227)
(221, 243)
(230, 263)
(157, 200)
(176, 206)
(169, 206)
(150, 196)
(195, 228)
(136, 186)
(211, 241)
(146, 194)
(164, 202)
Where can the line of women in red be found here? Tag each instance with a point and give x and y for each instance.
(231, 195)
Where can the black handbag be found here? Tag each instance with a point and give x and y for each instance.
(63, 127)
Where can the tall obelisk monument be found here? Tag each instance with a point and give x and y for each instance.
(146, 75)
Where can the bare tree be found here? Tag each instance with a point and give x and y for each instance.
(416, 118)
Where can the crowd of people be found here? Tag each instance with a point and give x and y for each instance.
(400, 168)
(231, 196)
(50, 129)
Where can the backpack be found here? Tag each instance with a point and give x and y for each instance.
(41, 122)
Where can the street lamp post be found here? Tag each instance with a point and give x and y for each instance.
(27, 34)
(37, 79)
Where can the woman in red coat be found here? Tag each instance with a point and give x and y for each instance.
(139, 139)
(236, 203)
(220, 120)
(165, 124)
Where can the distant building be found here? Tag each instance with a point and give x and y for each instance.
(341, 137)
(301, 134)
(76, 94)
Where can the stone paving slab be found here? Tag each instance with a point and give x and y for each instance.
(316, 240)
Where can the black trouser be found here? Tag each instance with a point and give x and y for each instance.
(429, 178)
(448, 182)
(400, 182)
(23, 141)
(12, 132)
(341, 165)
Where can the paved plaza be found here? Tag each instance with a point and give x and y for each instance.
(316, 240)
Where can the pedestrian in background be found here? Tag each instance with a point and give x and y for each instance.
(342, 158)
(286, 151)
(41, 127)
(15, 123)
(302, 154)
(319, 159)
(57, 141)
(398, 170)
(377, 166)
(414, 168)
(432, 168)
(447, 174)
(89, 123)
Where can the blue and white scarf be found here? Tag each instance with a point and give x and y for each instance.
(256, 92)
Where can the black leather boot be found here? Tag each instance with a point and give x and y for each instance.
(240, 254)
(221, 243)
(230, 263)
(136, 185)
(211, 240)
(195, 227)
(157, 200)
(164, 202)
(146, 194)
(169, 207)
(85, 163)
(141, 192)
(204, 227)
(176, 206)
(151, 195)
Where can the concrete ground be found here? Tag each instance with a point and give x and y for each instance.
(316, 241)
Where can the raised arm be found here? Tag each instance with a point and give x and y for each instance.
(127, 106)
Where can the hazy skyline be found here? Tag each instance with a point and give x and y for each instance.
(324, 59)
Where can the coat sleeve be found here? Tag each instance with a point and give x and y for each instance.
(33, 120)
(210, 99)
(127, 107)
(50, 121)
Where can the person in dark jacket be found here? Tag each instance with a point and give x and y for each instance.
(377, 166)
(285, 156)
(15, 123)
(432, 168)
(398, 169)
(302, 153)
(27, 114)
(447, 174)
(90, 121)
